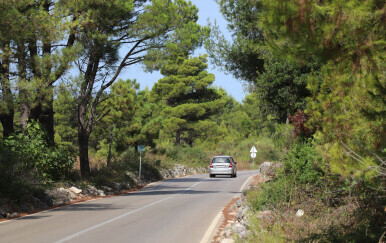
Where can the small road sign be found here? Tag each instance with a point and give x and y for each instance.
(141, 148)
(253, 149)
(253, 154)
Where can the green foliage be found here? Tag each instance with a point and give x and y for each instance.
(281, 88)
(258, 233)
(30, 153)
(65, 106)
(326, 29)
(283, 137)
(129, 161)
(238, 120)
(244, 56)
(267, 195)
(120, 107)
(303, 170)
(348, 99)
(304, 165)
(152, 33)
(125, 169)
(188, 156)
(189, 100)
(31, 34)
(239, 150)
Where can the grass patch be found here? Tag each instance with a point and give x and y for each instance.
(350, 221)
(334, 212)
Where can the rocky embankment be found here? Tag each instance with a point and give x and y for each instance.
(237, 214)
(180, 171)
(71, 193)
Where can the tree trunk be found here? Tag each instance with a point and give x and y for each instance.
(42, 110)
(47, 122)
(110, 144)
(23, 91)
(24, 115)
(83, 139)
(46, 117)
(7, 114)
(178, 137)
(7, 123)
(86, 117)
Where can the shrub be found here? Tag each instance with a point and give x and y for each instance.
(267, 194)
(283, 137)
(29, 156)
(189, 156)
(129, 161)
(239, 150)
(303, 170)
(304, 165)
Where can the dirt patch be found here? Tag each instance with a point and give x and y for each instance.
(231, 210)
(229, 215)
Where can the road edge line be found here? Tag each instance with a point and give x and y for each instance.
(212, 228)
(245, 183)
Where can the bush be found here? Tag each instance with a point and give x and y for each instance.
(129, 162)
(188, 156)
(29, 156)
(304, 165)
(239, 150)
(267, 194)
(283, 137)
(303, 172)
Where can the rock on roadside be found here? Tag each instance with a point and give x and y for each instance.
(180, 171)
(70, 193)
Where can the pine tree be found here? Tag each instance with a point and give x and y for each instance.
(147, 33)
(349, 101)
(189, 98)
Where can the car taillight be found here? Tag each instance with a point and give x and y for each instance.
(230, 165)
(211, 166)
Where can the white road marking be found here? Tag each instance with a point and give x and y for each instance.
(212, 227)
(245, 183)
(120, 216)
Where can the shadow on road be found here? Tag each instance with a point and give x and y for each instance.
(33, 217)
(184, 179)
(169, 192)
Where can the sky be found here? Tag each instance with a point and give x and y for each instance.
(208, 9)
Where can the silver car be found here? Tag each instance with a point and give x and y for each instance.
(222, 165)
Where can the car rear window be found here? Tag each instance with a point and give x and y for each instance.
(220, 160)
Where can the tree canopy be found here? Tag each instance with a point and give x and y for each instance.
(189, 98)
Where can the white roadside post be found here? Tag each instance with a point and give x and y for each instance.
(253, 154)
(140, 149)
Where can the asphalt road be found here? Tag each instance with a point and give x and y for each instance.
(175, 210)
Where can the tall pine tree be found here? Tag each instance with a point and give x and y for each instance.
(190, 99)
(349, 104)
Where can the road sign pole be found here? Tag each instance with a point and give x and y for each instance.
(253, 155)
(140, 165)
(140, 149)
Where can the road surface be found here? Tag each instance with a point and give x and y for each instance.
(175, 210)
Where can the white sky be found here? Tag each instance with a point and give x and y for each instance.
(208, 9)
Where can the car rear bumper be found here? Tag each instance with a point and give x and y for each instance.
(221, 171)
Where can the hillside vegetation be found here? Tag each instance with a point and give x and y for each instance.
(314, 72)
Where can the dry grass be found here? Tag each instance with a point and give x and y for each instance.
(95, 163)
(321, 222)
(345, 217)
